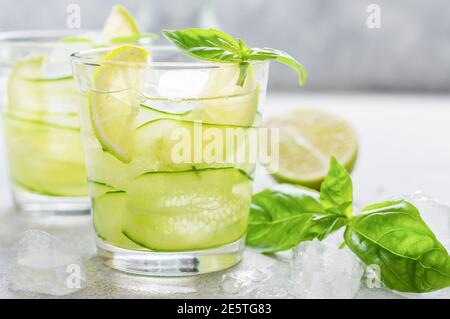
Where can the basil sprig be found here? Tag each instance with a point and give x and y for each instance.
(390, 234)
(217, 46)
(284, 215)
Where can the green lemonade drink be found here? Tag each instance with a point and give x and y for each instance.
(41, 123)
(40, 112)
(162, 134)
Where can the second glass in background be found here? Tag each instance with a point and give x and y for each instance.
(41, 123)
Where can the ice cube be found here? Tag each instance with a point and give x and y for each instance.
(322, 270)
(435, 214)
(245, 282)
(313, 270)
(46, 265)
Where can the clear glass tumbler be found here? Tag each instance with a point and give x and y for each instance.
(167, 146)
(41, 122)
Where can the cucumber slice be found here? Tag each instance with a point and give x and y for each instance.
(45, 159)
(161, 112)
(109, 210)
(97, 189)
(150, 112)
(62, 121)
(176, 145)
(23, 94)
(105, 168)
(29, 91)
(188, 210)
(153, 152)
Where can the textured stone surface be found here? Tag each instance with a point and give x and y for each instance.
(403, 148)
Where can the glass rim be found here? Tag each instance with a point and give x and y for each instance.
(43, 37)
(89, 58)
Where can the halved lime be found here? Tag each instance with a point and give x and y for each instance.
(120, 23)
(113, 101)
(308, 138)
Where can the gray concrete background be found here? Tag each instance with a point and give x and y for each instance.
(410, 52)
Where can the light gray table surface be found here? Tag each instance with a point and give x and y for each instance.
(404, 147)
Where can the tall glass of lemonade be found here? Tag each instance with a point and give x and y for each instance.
(167, 141)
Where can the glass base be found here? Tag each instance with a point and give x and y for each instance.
(28, 202)
(169, 264)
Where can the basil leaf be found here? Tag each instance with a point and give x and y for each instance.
(281, 56)
(243, 70)
(285, 215)
(336, 191)
(394, 236)
(211, 45)
(217, 46)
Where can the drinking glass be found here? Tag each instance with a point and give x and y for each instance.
(167, 147)
(41, 123)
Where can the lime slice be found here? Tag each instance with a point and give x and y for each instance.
(224, 102)
(22, 93)
(113, 101)
(120, 23)
(308, 138)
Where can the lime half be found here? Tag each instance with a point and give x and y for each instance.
(120, 23)
(308, 138)
(113, 102)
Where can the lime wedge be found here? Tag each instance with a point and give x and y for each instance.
(308, 138)
(120, 23)
(113, 101)
(224, 102)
